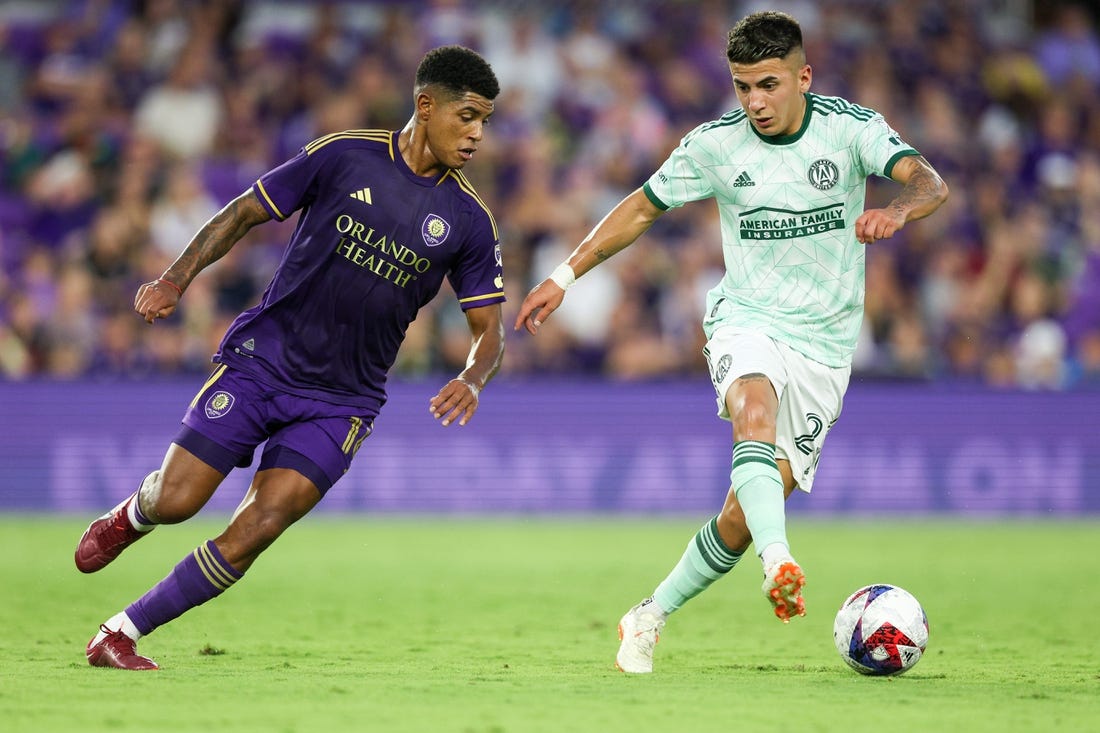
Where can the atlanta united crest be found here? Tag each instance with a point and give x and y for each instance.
(723, 368)
(823, 174)
(435, 230)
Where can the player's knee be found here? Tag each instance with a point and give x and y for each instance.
(168, 500)
(250, 533)
(754, 421)
(264, 527)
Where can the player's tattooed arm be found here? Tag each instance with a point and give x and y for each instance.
(630, 218)
(922, 192)
(922, 189)
(217, 237)
(159, 298)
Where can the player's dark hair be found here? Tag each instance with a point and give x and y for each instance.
(765, 35)
(458, 70)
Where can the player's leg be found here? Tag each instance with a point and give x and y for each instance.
(277, 498)
(810, 405)
(221, 428)
(753, 406)
(758, 487)
(300, 463)
(712, 552)
(173, 493)
(705, 559)
(734, 530)
(181, 487)
(732, 527)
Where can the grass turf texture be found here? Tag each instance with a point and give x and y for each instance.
(509, 625)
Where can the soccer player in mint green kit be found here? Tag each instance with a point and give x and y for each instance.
(385, 216)
(788, 173)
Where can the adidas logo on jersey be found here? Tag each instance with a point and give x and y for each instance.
(363, 195)
(743, 180)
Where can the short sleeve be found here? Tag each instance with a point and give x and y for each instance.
(880, 147)
(679, 180)
(287, 188)
(478, 276)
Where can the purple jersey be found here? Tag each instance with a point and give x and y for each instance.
(372, 245)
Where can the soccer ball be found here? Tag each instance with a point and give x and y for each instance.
(881, 630)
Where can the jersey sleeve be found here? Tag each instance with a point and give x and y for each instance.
(880, 147)
(478, 276)
(289, 187)
(680, 180)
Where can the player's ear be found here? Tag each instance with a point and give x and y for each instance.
(424, 105)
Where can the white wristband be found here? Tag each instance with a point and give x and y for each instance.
(563, 276)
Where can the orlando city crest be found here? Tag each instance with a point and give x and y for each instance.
(219, 404)
(435, 230)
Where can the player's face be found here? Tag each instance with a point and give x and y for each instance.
(455, 128)
(771, 93)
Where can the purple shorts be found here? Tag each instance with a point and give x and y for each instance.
(233, 413)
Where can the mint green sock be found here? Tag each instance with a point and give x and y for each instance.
(759, 487)
(705, 560)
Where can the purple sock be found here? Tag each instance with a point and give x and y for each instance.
(202, 575)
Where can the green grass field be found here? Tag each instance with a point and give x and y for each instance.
(509, 625)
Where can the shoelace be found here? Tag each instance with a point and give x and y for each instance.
(646, 636)
(117, 636)
(117, 528)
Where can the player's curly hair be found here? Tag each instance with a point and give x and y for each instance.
(458, 70)
(765, 35)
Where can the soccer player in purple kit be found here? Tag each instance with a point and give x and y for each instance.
(385, 216)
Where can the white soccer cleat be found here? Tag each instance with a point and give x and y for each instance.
(639, 632)
(783, 583)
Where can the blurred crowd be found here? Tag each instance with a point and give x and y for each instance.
(126, 124)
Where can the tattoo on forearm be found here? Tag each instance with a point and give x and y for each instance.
(922, 188)
(602, 254)
(215, 239)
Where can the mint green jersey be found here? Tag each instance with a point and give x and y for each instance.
(788, 207)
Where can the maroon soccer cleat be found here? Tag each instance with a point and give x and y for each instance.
(105, 539)
(117, 650)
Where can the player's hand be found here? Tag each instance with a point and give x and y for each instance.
(458, 397)
(876, 224)
(543, 300)
(155, 300)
